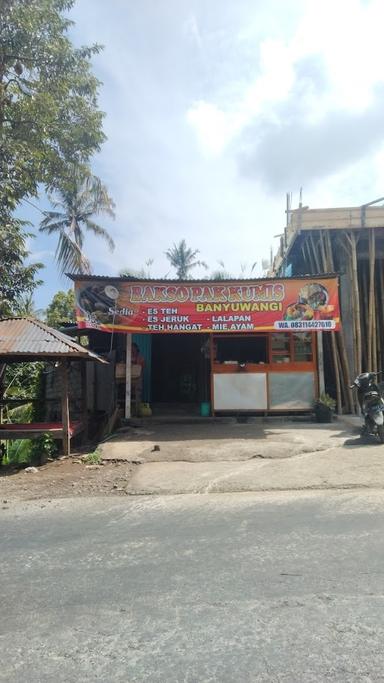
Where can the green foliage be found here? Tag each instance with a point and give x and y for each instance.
(61, 309)
(144, 272)
(220, 273)
(48, 98)
(26, 380)
(17, 279)
(326, 401)
(42, 448)
(93, 458)
(183, 259)
(25, 306)
(25, 451)
(18, 452)
(22, 380)
(77, 199)
(49, 118)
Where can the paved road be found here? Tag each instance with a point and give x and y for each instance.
(227, 588)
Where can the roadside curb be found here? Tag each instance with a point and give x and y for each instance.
(353, 421)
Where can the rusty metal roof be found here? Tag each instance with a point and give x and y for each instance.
(30, 339)
(207, 281)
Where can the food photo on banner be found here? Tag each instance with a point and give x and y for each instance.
(242, 306)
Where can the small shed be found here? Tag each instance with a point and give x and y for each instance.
(23, 340)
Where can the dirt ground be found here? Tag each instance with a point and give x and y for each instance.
(68, 477)
(130, 451)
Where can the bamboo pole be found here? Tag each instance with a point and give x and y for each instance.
(315, 256)
(381, 300)
(345, 369)
(84, 400)
(65, 407)
(356, 299)
(312, 264)
(376, 325)
(324, 256)
(371, 305)
(329, 265)
(326, 266)
(363, 273)
(347, 246)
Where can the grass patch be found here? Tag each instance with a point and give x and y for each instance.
(18, 452)
(93, 458)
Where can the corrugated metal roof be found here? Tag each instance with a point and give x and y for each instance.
(116, 278)
(28, 337)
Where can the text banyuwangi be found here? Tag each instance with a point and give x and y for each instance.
(158, 307)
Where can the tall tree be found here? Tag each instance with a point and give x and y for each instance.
(76, 202)
(26, 307)
(220, 273)
(17, 276)
(183, 259)
(61, 309)
(48, 98)
(48, 116)
(142, 273)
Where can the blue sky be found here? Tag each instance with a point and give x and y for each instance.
(214, 110)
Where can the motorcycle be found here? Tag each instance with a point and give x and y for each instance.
(371, 404)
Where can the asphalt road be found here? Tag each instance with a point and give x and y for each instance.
(224, 588)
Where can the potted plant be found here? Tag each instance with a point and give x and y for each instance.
(323, 408)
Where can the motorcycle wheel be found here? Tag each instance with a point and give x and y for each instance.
(380, 433)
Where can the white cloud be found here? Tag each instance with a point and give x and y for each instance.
(346, 36)
(191, 86)
(214, 128)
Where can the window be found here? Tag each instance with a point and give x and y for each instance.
(249, 349)
(292, 348)
(294, 390)
(302, 347)
(281, 348)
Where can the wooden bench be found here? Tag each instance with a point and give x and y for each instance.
(32, 430)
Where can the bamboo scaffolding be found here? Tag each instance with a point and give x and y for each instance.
(345, 370)
(345, 242)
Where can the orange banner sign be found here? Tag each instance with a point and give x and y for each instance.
(242, 306)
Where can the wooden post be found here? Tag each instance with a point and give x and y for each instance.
(84, 400)
(65, 407)
(128, 377)
(320, 362)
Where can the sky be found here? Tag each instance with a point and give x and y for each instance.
(215, 109)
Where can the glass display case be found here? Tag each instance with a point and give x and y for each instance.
(271, 372)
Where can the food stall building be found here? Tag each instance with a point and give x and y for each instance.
(220, 347)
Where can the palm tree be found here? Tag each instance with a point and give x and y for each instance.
(25, 307)
(183, 259)
(220, 273)
(76, 202)
(143, 273)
